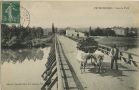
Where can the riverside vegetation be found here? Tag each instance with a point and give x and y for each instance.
(21, 37)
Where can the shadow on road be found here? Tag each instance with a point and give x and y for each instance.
(107, 71)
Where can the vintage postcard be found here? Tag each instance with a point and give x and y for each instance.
(69, 45)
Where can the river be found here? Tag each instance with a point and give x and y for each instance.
(21, 69)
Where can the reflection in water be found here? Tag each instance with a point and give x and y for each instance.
(22, 69)
(19, 55)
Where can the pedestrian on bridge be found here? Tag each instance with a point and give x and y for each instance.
(114, 56)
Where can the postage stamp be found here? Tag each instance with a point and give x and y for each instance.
(10, 11)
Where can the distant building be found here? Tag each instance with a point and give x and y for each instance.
(120, 31)
(74, 33)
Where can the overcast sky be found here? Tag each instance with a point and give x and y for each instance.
(83, 13)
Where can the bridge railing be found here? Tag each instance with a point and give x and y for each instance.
(52, 75)
(59, 73)
(127, 57)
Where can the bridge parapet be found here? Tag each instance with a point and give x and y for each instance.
(52, 75)
(59, 72)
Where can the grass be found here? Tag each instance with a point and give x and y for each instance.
(119, 41)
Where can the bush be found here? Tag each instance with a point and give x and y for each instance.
(87, 45)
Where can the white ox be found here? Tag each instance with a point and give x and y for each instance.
(97, 56)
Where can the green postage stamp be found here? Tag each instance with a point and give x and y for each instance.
(10, 11)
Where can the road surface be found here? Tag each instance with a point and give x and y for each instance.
(126, 78)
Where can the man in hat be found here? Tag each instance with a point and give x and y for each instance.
(115, 55)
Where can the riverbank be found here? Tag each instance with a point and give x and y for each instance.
(37, 42)
(119, 41)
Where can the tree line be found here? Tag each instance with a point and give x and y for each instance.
(128, 32)
(16, 35)
(102, 32)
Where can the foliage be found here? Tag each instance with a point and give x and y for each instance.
(15, 35)
(87, 45)
(129, 32)
(62, 32)
(132, 32)
(102, 32)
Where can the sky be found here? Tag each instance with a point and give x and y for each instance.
(82, 13)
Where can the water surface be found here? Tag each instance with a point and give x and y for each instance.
(21, 69)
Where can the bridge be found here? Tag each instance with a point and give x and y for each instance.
(63, 70)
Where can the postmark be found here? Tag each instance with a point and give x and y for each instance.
(24, 17)
(10, 11)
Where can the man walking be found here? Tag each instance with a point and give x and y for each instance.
(114, 53)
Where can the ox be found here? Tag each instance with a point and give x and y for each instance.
(97, 56)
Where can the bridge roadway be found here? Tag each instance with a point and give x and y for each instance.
(126, 78)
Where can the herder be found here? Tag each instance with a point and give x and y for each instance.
(114, 56)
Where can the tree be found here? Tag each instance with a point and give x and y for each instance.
(53, 28)
(86, 33)
(90, 31)
(98, 32)
(87, 45)
(109, 32)
(19, 34)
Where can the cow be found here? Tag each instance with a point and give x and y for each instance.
(97, 56)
